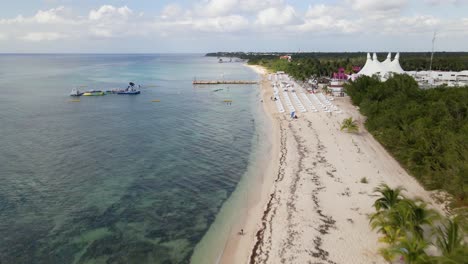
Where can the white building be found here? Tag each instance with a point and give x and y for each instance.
(436, 78)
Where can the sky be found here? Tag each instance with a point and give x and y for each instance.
(198, 26)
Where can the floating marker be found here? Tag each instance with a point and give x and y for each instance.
(227, 101)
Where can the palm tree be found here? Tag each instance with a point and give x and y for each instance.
(350, 125)
(389, 220)
(417, 216)
(388, 226)
(456, 257)
(389, 197)
(449, 237)
(411, 250)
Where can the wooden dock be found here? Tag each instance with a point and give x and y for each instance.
(203, 82)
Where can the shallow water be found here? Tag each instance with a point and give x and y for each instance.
(117, 178)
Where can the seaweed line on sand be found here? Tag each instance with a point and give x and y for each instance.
(292, 198)
(258, 249)
(327, 221)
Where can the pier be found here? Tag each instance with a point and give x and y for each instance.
(204, 82)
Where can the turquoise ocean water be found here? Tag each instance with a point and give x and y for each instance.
(115, 178)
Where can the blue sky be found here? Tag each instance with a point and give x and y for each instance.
(140, 26)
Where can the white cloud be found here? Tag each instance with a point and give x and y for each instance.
(329, 24)
(370, 19)
(108, 12)
(377, 5)
(218, 7)
(221, 24)
(256, 5)
(224, 7)
(320, 10)
(50, 16)
(413, 24)
(171, 11)
(10, 21)
(109, 21)
(447, 2)
(277, 16)
(42, 36)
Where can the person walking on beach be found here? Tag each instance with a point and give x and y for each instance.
(241, 232)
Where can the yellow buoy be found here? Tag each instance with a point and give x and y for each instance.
(156, 101)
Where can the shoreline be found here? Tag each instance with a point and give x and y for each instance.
(238, 248)
(313, 205)
(222, 240)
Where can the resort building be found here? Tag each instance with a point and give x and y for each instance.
(426, 79)
(336, 87)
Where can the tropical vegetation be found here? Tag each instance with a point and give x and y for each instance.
(408, 228)
(349, 125)
(425, 130)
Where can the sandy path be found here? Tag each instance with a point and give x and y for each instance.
(316, 209)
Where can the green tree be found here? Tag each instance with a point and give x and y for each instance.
(388, 197)
(412, 250)
(388, 220)
(449, 238)
(349, 125)
(417, 216)
(456, 257)
(388, 225)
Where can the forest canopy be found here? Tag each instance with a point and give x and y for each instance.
(425, 130)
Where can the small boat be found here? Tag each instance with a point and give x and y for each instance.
(130, 89)
(93, 93)
(76, 92)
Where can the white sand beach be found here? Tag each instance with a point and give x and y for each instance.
(312, 206)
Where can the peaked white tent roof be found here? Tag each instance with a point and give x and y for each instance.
(394, 66)
(386, 63)
(374, 66)
(366, 70)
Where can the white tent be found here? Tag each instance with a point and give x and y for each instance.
(394, 66)
(383, 69)
(366, 70)
(386, 63)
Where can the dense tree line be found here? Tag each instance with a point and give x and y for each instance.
(306, 65)
(304, 68)
(425, 130)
